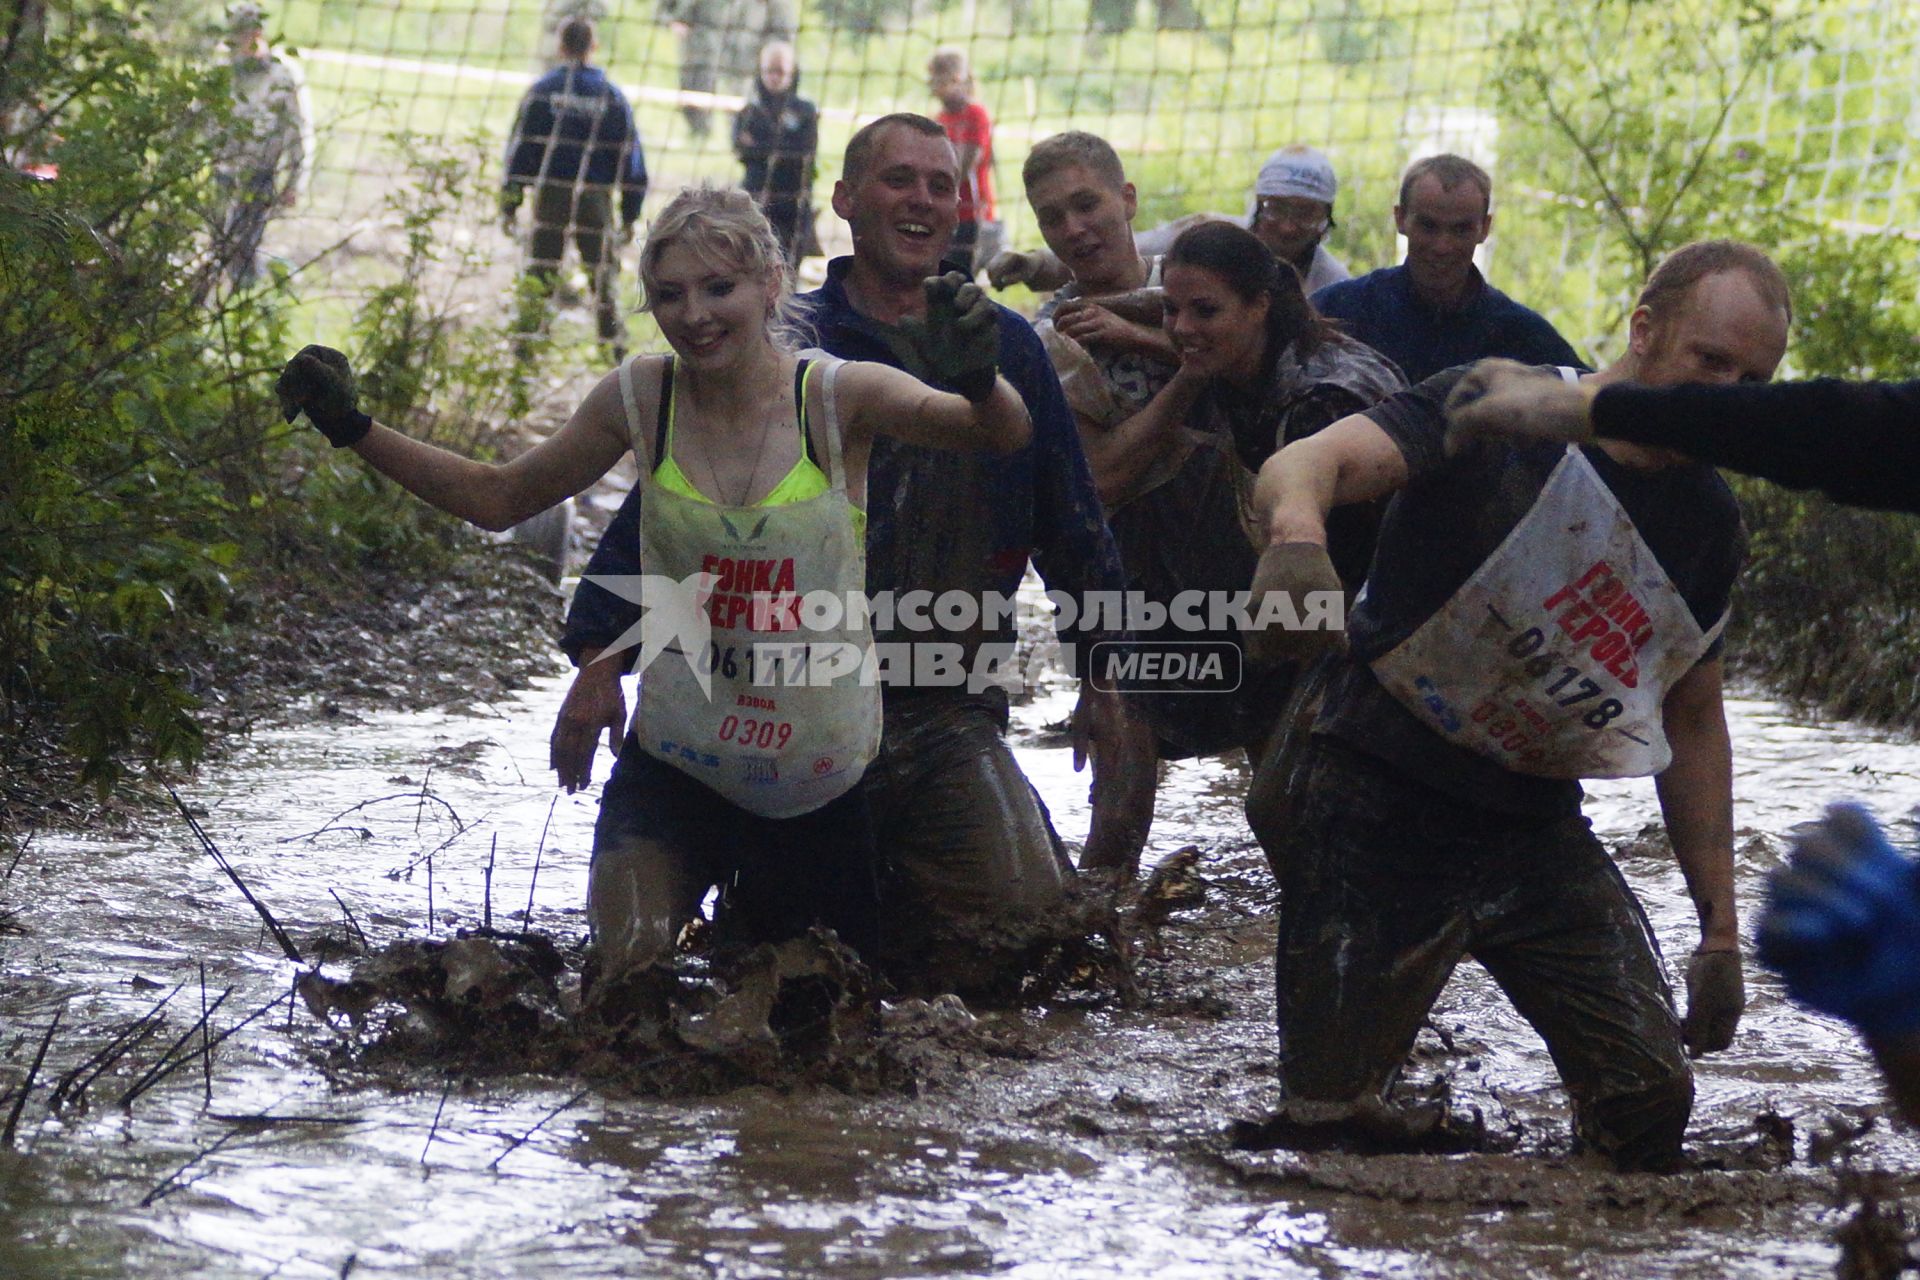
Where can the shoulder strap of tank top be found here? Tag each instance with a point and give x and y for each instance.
(627, 401)
(649, 457)
(830, 434)
(1568, 373)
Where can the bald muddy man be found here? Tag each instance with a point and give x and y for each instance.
(1535, 614)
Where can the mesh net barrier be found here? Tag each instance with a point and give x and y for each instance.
(1614, 130)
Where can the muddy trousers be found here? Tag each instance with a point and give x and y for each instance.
(664, 839)
(1386, 885)
(972, 874)
(584, 213)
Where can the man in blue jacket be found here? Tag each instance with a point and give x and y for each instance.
(574, 142)
(973, 878)
(1436, 310)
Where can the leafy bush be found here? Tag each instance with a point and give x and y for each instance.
(144, 470)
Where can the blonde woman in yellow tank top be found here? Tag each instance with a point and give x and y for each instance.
(732, 423)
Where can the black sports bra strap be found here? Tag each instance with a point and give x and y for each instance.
(666, 412)
(800, 407)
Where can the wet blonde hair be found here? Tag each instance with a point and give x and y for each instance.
(726, 230)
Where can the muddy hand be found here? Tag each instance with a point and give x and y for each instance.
(1842, 924)
(1716, 996)
(1503, 399)
(320, 382)
(1010, 268)
(593, 702)
(957, 345)
(1316, 620)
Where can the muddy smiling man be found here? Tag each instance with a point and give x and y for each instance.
(1536, 613)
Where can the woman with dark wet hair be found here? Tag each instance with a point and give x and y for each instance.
(1258, 368)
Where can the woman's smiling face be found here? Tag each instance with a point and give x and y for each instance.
(709, 313)
(1215, 330)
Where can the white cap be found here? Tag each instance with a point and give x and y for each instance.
(1297, 171)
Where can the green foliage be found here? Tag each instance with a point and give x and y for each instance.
(144, 470)
(1629, 110)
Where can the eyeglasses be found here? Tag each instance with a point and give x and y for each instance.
(1306, 215)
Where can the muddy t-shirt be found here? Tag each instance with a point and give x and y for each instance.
(1453, 514)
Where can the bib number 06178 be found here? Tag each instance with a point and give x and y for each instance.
(1569, 688)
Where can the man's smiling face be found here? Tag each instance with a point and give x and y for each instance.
(903, 206)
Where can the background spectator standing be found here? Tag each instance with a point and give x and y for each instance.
(720, 43)
(1436, 310)
(266, 159)
(574, 141)
(776, 137)
(970, 129)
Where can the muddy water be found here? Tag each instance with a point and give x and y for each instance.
(1099, 1151)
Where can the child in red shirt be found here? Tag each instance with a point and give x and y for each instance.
(971, 130)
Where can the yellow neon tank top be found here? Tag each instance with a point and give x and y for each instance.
(805, 480)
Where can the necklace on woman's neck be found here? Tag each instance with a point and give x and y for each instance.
(713, 468)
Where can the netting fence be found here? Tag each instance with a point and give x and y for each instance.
(1613, 129)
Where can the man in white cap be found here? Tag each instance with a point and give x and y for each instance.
(1291, 212)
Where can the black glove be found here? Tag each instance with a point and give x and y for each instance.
(320, 381)
(958, 343)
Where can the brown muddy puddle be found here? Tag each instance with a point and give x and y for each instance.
(1075, 1139)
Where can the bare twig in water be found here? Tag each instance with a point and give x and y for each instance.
(206, 1045)
(20, 1103)
(486, 895)
(263, 1120)
(19, 853)
(520, 1141)
(351, 922)
(220, 1039)
(421, 804)
(96, 1065)
(540, 849)
(206, 842)
(435, 1126)
(171, 1183)
(429, 895)
(164, 1066)
(328, 825)
(407, 871)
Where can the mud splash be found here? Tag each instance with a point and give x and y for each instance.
(1087, 1133)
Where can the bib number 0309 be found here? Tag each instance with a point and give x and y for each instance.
(750, 732)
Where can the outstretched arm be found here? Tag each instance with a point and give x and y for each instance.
(320, 382)
(1859, 442)
(883, 400)
(1352, 460)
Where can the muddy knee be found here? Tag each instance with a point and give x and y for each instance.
(639, 894)
(1642, 1129)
